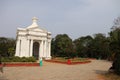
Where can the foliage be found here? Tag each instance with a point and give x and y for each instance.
(87, 46)
(53, 47)
(96, 47)
(115, 45)
(63, 46)
(115, 48)
(101, 46)
(11, 51)
(7, 46)
(82, 46)
(115, 40)
(18, 59)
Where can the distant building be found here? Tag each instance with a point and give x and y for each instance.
(33, 41)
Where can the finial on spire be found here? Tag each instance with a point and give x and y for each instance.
(34, 19)
(34, 24)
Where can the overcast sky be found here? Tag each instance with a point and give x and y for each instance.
(74, 17)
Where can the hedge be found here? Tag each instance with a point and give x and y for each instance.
(18, 59)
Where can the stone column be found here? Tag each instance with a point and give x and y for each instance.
(29, 42)
(46, 55)
(45, 46)
(31, 47)
(17, 48)
(41, 49)
(49, 49)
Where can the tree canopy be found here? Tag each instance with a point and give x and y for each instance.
(7, 46)
(115, 45)
(63, 45)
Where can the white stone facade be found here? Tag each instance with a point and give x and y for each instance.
(33, 41)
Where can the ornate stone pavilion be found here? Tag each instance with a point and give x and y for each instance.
(33, 41)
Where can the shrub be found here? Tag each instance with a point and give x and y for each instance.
(31, 59)
(5, 59)
(18, 59)
(23, 59)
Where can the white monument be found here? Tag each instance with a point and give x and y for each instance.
(33, 41)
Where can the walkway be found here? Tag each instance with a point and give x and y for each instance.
(55, 71)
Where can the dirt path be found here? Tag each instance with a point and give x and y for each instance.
(54, 71)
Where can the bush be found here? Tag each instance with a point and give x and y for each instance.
(31, 59)
(18, 59)
(23, 59)
(5, 59)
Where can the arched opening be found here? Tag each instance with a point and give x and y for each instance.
(36, 50)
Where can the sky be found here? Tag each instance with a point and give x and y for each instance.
(76, 18)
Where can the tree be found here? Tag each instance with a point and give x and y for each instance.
(11, 51)
(101, 46)
(53, 47)
(116, 24)
(115, 45)
(63, 45)
(96, 47)
(115, 49)
(82, 46)
(7, 46)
